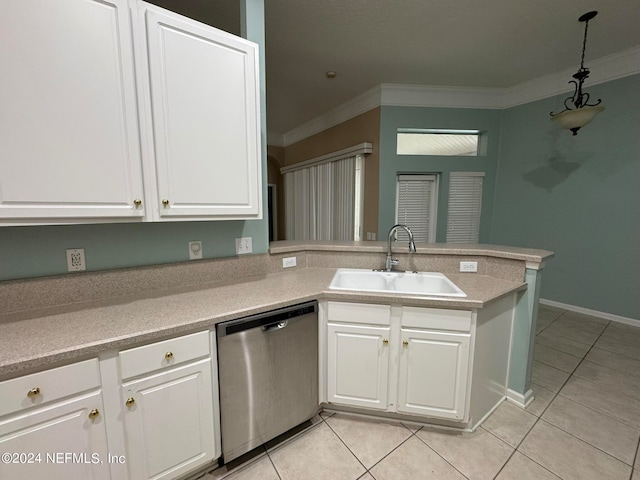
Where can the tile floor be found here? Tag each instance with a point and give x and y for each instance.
(583, 424)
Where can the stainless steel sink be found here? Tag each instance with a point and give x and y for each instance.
(413, 283)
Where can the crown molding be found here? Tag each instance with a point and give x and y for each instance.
(352, 108)
(438, 96)
(603, 69)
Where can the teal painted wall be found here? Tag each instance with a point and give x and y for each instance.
(40, 251)
(393, 118)
(577, 196)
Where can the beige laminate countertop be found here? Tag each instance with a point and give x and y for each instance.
(35, 340)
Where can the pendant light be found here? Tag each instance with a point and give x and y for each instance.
(577, 110)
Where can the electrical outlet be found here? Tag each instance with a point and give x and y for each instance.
(75, 260)
(371, 235)
(468, 266)
(195, 250)
(243, 245)
(288, 262)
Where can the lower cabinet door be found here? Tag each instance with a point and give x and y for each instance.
(168, 420)
(57, 442)
(433, 373)
(357, 365)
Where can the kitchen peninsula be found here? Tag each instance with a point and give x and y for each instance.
(65, 321)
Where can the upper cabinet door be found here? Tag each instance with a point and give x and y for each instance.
(205, 118)
(69, 140)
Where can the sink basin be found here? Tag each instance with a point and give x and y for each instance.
(414, 283)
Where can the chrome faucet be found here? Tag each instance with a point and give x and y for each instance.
(393, 262)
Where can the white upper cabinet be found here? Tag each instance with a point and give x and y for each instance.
(69, 141)
(204, 116)
(86, 137)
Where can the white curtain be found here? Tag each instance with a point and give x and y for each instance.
(320, 201)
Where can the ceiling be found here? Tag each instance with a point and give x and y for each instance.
(464, 43)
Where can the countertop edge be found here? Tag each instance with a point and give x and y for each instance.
(499, 251)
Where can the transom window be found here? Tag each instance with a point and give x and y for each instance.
(437, 142)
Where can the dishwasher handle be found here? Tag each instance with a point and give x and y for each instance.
(275, 326)
(268, 321)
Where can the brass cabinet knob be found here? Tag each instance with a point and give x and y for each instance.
(165, 203)
(130, 402)
(94, 413)
(385, 341)
(168, 356)
(405, 343)
(137, 202)
(34, 392)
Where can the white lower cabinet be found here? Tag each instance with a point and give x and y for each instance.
(52, 425)
(406, 359)
(168, 414)
(147, 412)
(433, 373)
(168, 422)
(358, 364)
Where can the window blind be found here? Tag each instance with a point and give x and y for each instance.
(465, 202)
(322, 200)
(416, 206)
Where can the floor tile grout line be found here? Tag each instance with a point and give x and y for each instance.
(273, 465)
(438, 454)
(585, 441)
(539, 417)
(599, 412)
(558, 393)
(624, 422)
(561, 351)
(347, 447)
(616, 352)
(551, 322)
(613, 369)
(393, 450)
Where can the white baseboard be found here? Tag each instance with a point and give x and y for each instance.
(594, 313)
(523, 401)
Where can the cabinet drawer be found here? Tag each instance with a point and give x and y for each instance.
(44, 387)
(359, 313)
(140, 360)
(436, 318)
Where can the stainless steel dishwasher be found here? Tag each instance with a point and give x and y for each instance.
(268, 374)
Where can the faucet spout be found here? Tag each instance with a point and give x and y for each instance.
(392, 262)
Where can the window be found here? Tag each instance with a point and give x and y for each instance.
(465, 201)
(323, 201)
(437, 142)
(416, 198)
